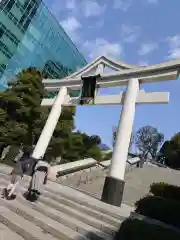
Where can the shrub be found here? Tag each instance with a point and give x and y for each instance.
(140, 230)
(165, 190)
(164, 210)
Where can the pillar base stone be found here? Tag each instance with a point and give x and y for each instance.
(113, 191)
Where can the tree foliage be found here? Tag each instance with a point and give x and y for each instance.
(22, 119)
(148, 140)
(82, 146)
(170, 152)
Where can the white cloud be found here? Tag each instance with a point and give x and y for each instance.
(98, 24)
(101, 46)
(71, 4)
(71, 25)
(88, 8)
(124, 5)
(153, 1)
(92, 8)
(147, 48)
(129, 33)
(174, 46)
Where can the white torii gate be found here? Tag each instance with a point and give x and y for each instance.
(124, 74)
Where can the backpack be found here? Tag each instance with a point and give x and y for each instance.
(28, 165)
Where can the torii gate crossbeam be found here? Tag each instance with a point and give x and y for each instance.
(125, 74)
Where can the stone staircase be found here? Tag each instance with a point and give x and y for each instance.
(61, 213)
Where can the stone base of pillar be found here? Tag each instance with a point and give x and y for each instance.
(113, 191)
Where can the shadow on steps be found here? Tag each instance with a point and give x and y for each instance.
(134, 229)
(93, 236)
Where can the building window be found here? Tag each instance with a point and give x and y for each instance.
(26, 24)
(33, 12)
(1, 32)
(2, 68)
(55, 70)
(24, 16)
(11, 36)
(9, 5)
(3, 4)
(5, 50)
(13, 18)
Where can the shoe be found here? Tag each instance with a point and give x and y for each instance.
(13, 197)
(4, 193)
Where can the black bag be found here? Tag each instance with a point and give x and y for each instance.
(28, 166)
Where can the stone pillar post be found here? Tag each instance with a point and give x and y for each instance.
(114, 183)
(50, 125)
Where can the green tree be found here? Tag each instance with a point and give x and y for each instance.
(81, 146)
(108, 156)
(170, 152)
(148, 140)
(22, 117)
(22, 105)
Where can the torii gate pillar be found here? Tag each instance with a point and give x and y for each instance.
(114, 183)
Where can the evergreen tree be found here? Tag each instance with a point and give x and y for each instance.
(22, 119)
(170, 152)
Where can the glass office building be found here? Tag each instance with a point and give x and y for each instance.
(31, 36)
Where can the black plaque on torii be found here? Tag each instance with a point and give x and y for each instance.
(89, 87)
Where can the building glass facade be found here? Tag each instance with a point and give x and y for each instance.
(31, 36)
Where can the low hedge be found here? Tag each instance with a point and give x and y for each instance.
(165, 190)
(164, 210)
(140, 230)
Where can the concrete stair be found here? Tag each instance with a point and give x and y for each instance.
(61, 213)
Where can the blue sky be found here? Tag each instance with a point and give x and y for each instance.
(135, 31)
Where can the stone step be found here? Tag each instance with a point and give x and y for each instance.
(82, 199)
(23, 227)
(88, 201)
(79, 215)
(89, 211)
(7, 234)
(60, 213)
(68, 220)
(94, 210)
(47, 224)
(55, 202)
(72, 213)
